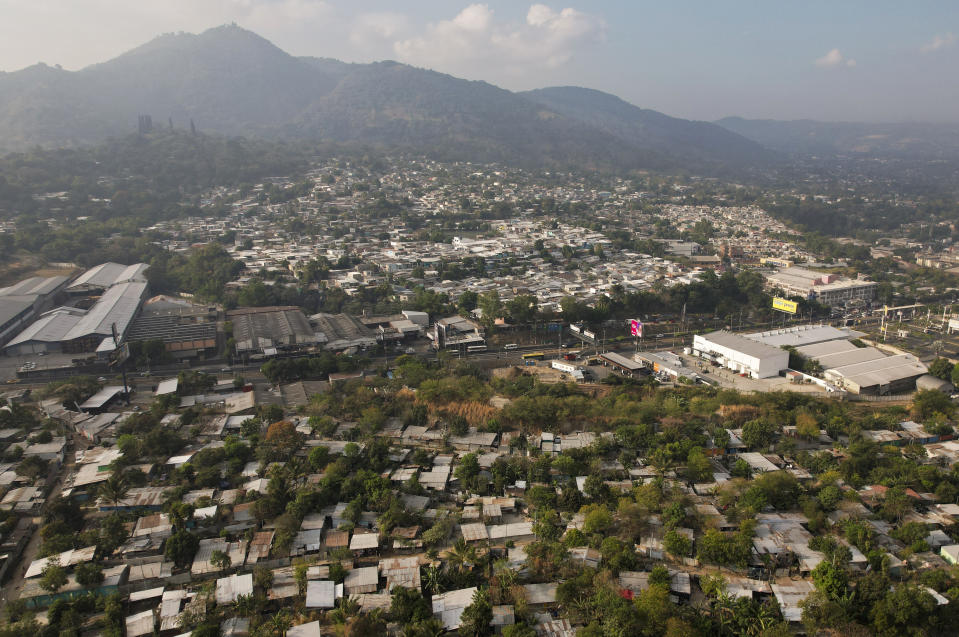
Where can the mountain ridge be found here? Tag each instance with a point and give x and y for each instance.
(232, 81)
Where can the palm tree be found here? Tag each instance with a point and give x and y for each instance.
(505, 577)
(115, 488)
(245, 605)
(462, 557)
(433, 579)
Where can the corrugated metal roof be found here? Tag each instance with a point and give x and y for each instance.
(320, 594)
(47, 329)
(102, 397)
(107, 274)
(117, 305)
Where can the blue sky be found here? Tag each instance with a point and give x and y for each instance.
(850, 60)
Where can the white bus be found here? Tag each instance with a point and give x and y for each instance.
(510, 347)
(475, 349)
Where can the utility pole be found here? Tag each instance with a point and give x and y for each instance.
(121, 360)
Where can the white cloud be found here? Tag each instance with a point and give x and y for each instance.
(372, 30)
(474, 38)
(943, 41)
(833, 59)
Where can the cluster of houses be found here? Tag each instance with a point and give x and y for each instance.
(234, 542)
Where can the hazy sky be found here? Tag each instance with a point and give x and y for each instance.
(867, 60)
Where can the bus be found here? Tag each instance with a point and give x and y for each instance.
(534, 356)
(510, 347)
(475, 349)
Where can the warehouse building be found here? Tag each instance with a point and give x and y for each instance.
(23, 302)
(337, 332)
(268, 330)
(104, 276)
(803, 335)
(822, 287)
(187, 330)
(878, 377)
(864, 370)
(73, 330)
(740, 354)
(833, 354)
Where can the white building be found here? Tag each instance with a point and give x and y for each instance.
(741, 354)
(826, 288)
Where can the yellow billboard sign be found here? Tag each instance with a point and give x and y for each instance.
(789, 307)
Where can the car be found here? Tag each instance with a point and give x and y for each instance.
(101, 380)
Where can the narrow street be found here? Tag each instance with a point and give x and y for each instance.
(11, 590)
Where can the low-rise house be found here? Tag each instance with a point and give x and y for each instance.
(362, 580)
(448, 607)
(229, 589)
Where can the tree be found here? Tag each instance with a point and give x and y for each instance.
(467, 469)
(489, 302)
(476, 618)
(467, 301)
(677, 544)
(698, 467)
(758, 433)
(903, 611)
(89, 574)
(597, 519)
(831, 579)
(941, 368)
(220, 560)
(896, 504)
(114, 488)
(522, 308)
(53, 577)
(408, 606)
(927, 402)
(180, 547)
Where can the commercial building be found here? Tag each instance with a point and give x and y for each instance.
(822, 287)
(740, 354)
(455, 332)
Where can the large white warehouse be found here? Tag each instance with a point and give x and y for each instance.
(741, 354)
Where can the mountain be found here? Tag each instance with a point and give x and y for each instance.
(808, 137)
(648, 128)
(231, 81)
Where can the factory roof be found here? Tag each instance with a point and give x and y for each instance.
(49, 328)
(801, 335)
(36, 285)
(840, 354)
(117, 305)
(108, 274)
(881, 371)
